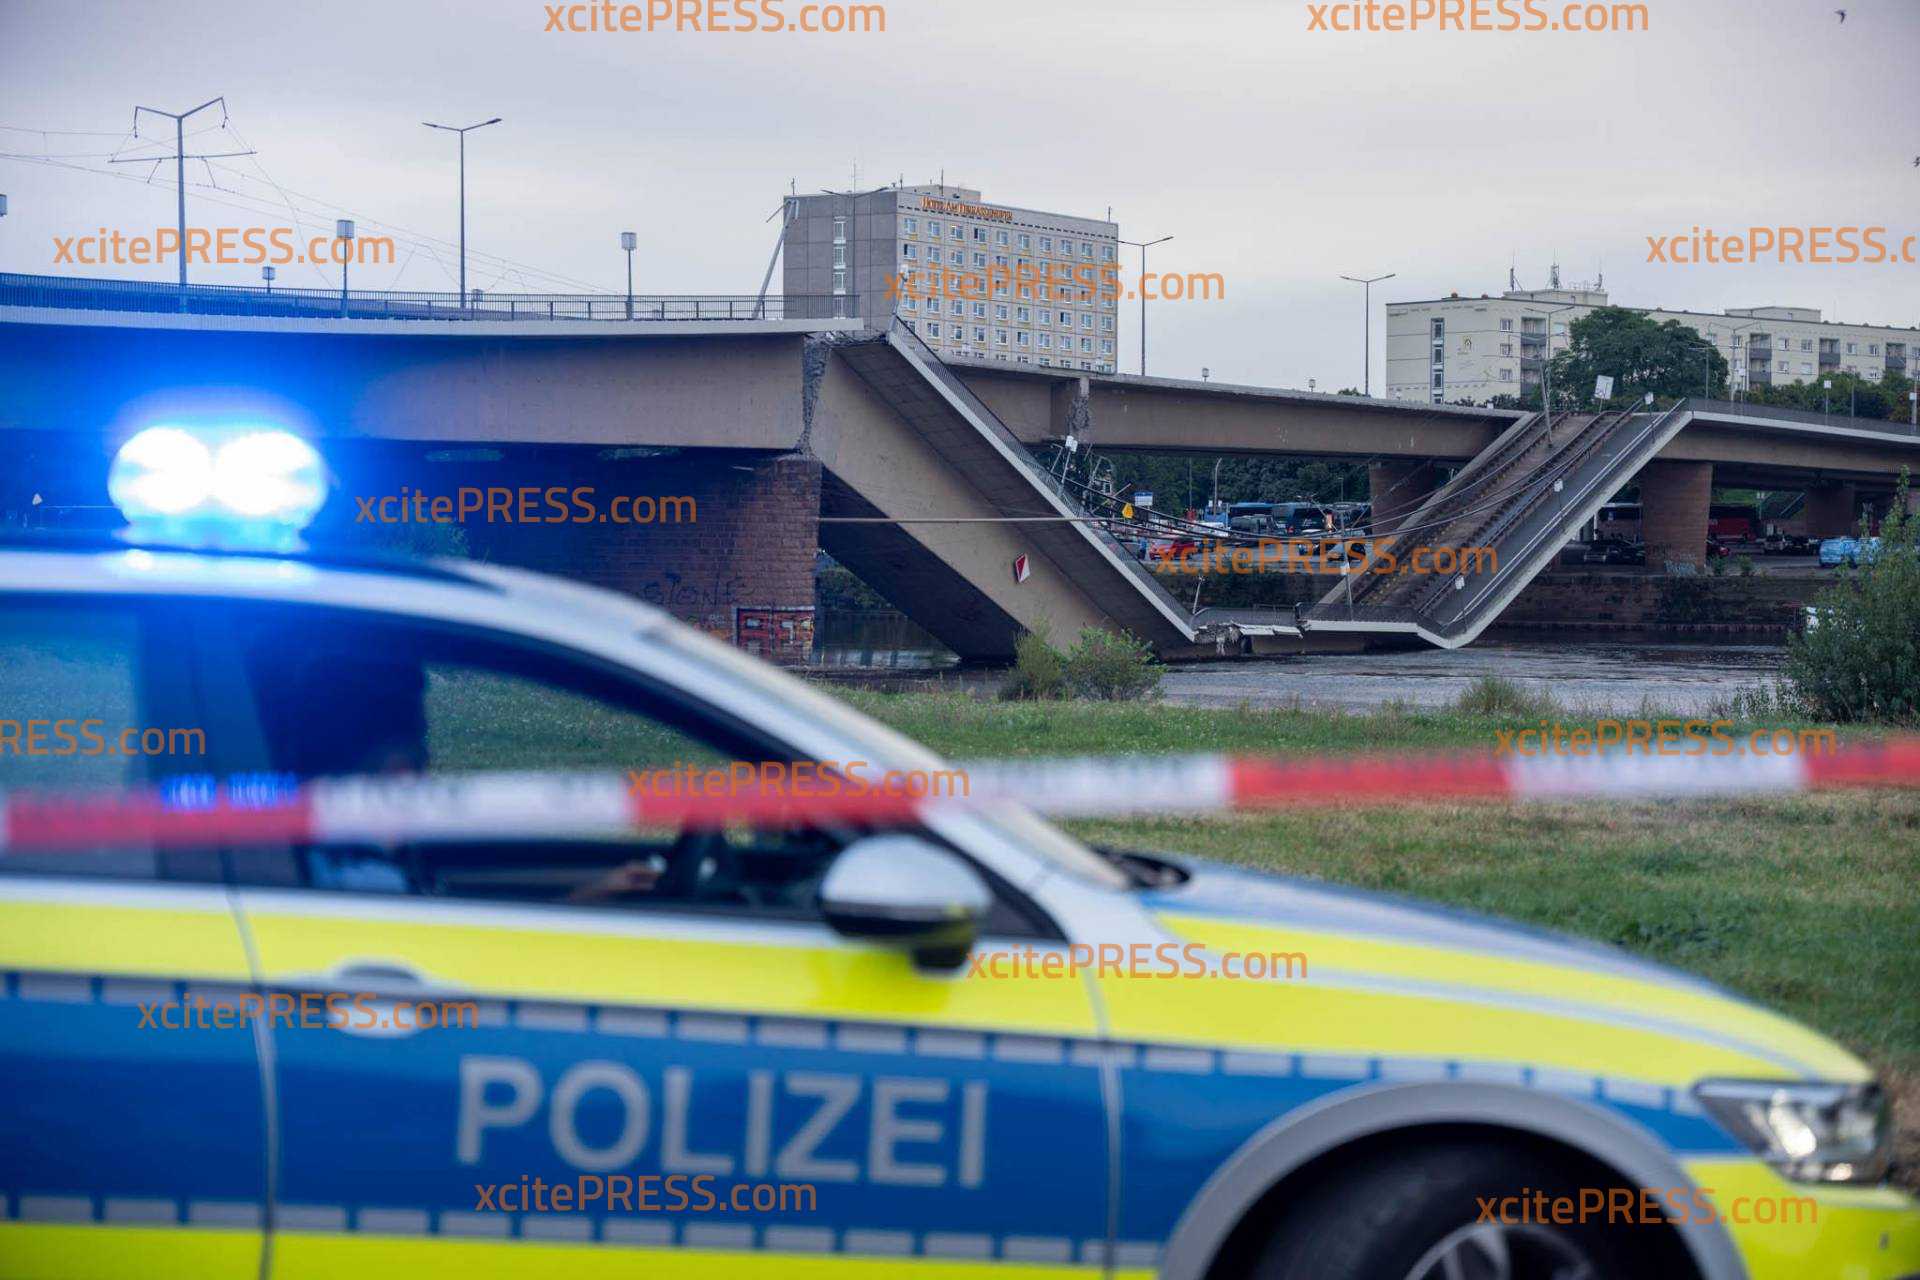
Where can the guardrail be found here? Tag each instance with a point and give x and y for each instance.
(76, 293)
(1806, 417)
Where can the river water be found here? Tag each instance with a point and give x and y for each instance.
(1581, 674)
(1585, 675)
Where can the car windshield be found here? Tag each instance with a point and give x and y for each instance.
(881, 745)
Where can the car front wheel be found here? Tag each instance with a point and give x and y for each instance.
(1424, 1214)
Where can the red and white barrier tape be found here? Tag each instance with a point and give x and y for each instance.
(559, 806)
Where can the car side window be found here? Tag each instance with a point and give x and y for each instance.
(331, 693)
(93, 698)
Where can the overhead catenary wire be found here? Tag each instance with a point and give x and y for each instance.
(245, 201)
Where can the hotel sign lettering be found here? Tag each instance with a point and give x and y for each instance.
(958, 209)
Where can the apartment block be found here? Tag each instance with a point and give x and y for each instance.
(1460, 349)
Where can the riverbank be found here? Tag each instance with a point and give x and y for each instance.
(1804, 903)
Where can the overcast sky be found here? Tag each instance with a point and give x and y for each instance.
(1277, 156)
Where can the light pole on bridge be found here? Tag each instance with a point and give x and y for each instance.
(1366, 327)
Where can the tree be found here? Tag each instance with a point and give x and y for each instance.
(1882, 400)
(1859, 658)
(1640, 355)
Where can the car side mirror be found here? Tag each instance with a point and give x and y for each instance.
(906, 892)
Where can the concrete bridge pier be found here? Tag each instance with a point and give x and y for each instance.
(1676, 500)
(722, 539)
(1832, 510)
(1396, 488)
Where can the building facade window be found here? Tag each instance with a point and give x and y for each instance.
(909, 225)
(839, 230)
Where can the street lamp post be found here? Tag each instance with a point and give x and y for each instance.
(462, 130)
(1141, 285)
(1704, 348)
(629, 241)
(343, 234)
(1736, 375)
(1366, 328)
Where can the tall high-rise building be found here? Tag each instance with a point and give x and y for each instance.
(908, 252)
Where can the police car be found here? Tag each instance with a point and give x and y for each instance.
(850, 1015)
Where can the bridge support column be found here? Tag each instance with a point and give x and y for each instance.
(1675, 501)
(1832, 511)
(729, 547)
(1396, 488)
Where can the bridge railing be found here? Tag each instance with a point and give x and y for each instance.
(1808, 417)
(77, 293)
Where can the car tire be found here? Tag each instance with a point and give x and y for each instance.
(1412, 1214)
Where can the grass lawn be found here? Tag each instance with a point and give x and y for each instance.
(1810, 904)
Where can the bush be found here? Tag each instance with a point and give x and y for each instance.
(1112, 667)
(1859, 658)
(1504, 699)
(1039, 669)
